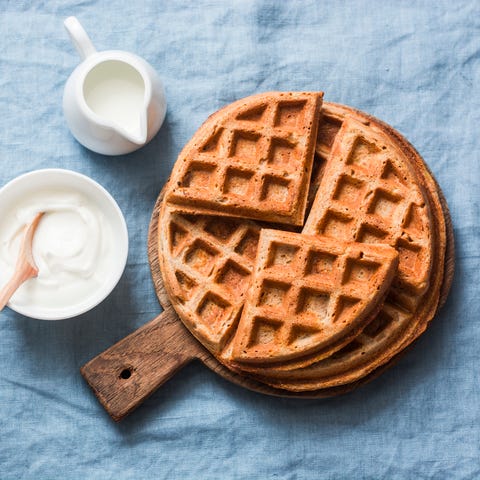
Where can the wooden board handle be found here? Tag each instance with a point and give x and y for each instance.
(123, 376)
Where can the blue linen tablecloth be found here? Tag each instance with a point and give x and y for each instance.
(415, 65)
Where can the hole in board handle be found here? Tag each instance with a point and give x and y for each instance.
(126, 373)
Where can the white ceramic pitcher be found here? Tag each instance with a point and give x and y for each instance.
(113, 101)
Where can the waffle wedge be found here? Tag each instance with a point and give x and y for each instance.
(309, 294)
(208, 269)
(252, 159)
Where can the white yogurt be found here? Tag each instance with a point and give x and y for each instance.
(72, 247)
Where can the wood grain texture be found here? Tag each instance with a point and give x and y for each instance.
(153, 353)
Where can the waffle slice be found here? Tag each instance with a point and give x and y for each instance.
(309, 294)
(366, 196)
(252, 159)
(208, 271)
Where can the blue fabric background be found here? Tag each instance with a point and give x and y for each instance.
(415, 65)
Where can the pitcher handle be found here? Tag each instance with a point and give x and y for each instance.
(79, 37)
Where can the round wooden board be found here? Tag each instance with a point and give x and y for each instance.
(132, 369)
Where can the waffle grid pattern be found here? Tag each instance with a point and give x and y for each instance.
(366, 198)
(212, 262)
(255, 165)
(306, 290)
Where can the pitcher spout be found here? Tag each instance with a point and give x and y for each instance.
(139, 140)
(138, 135)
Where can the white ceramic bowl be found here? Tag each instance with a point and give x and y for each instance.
(21, 186)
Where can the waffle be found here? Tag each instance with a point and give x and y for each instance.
(367, 185)
(252, 159)
(210, 263)
(368, 196)
(309, 294)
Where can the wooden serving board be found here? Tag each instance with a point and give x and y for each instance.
(124, 375)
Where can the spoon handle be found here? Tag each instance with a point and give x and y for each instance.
(17, 279)
(26, 267)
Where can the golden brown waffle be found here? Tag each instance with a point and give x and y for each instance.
(386, 194)
(309, 294)
(210, 262)
(251, 159)
(368, 195)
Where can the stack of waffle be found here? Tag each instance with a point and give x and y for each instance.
(302, 243)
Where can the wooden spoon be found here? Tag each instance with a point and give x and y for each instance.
(26, 267)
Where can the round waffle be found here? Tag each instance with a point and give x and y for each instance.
(368, 186)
